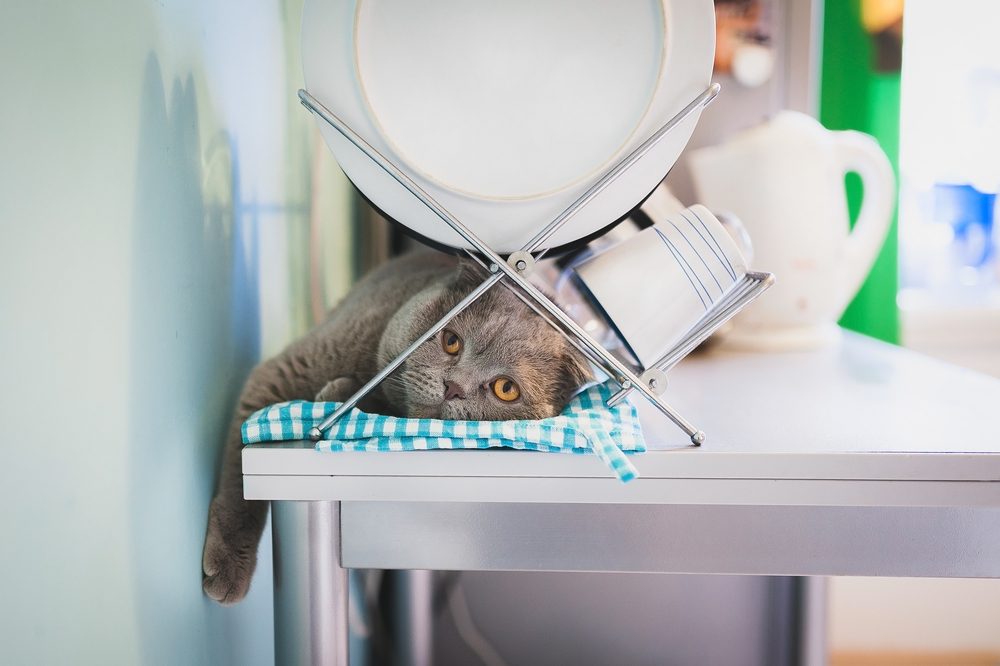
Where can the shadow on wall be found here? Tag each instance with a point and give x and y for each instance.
(194, 336)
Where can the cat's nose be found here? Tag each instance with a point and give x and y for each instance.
(452, 390)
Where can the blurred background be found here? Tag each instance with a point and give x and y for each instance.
(170, 215)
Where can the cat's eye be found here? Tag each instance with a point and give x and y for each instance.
(506, 389)
(450, 342)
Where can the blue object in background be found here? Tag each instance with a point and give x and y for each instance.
(970, 214)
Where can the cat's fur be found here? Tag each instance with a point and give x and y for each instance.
(377, 320)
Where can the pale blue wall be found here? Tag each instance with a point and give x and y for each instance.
(151, 207)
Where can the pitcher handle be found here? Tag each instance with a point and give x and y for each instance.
(862, 154)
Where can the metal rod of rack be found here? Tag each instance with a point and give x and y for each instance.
(745, 292)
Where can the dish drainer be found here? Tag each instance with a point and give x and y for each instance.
(513, 272)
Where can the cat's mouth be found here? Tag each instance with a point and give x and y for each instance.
(415, 411)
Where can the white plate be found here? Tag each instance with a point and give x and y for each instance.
(505, 111)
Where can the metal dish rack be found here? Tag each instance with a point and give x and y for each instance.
(513, 272)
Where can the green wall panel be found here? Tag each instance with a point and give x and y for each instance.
(854, 96)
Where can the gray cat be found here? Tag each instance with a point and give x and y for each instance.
(497, 360)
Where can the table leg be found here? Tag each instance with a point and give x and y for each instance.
(413, 615)
(310, 586)
(813, 648)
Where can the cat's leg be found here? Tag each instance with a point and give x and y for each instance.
(235, 524)
(338, 390)
(234, 528)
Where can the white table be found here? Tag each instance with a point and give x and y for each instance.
(860, 459)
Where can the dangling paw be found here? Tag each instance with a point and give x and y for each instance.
(230, 554)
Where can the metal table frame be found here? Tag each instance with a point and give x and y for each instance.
(316, 542)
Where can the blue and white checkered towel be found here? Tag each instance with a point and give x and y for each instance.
(586, 425)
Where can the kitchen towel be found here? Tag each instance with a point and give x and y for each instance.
(586, 425)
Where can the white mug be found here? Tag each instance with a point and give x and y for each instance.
(656, 285)
(785, 181)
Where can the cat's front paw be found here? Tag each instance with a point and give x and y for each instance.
(230, 555)
(338, 390)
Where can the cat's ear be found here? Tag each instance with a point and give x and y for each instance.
(574, 372)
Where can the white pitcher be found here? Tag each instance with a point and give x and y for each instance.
(785, 181)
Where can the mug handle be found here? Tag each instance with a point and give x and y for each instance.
(861, 153)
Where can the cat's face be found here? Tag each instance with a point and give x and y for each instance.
(495, 361)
